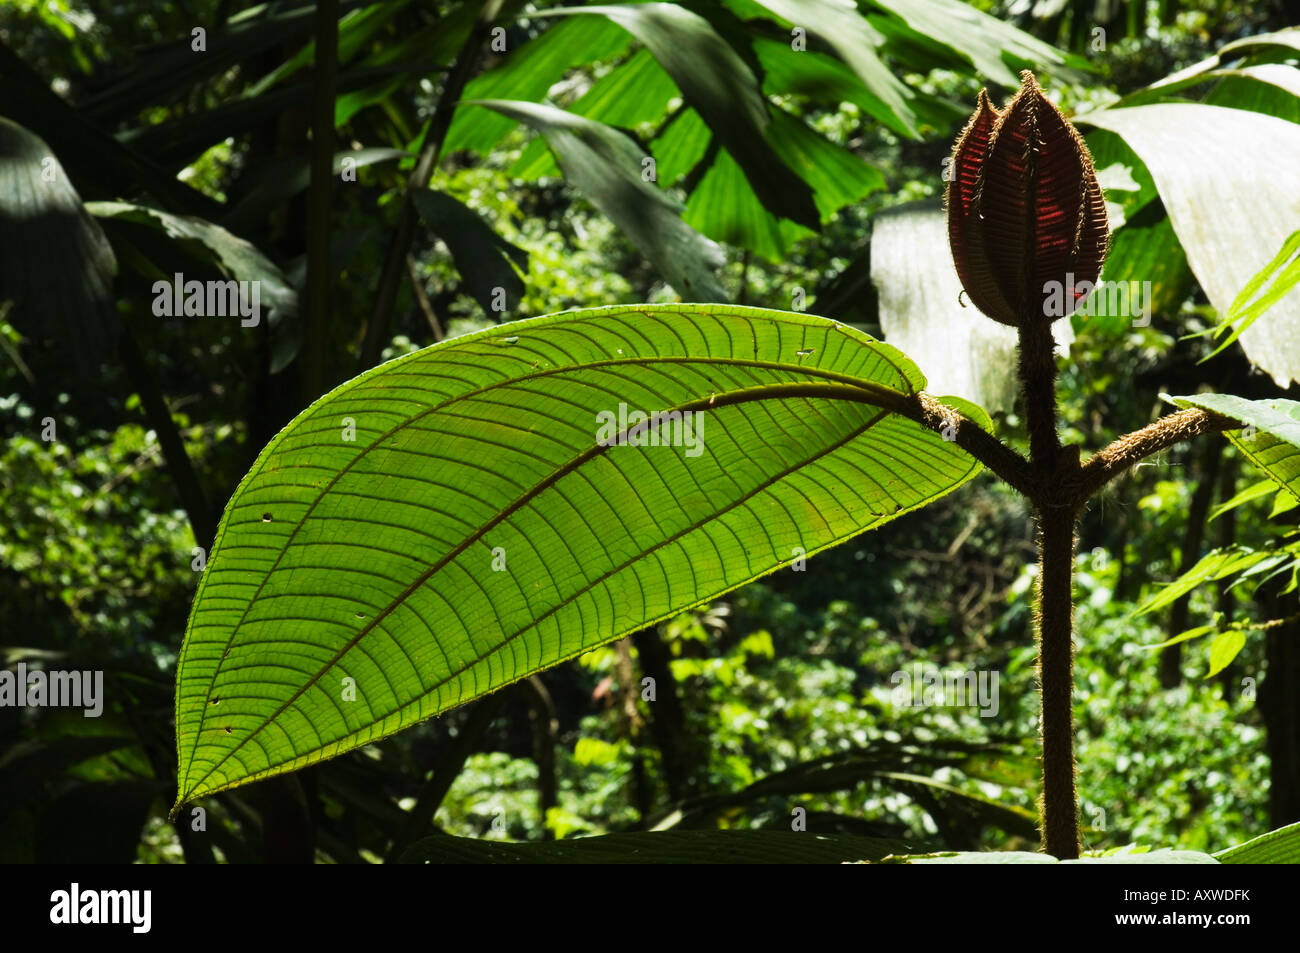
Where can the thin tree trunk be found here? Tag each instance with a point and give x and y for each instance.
(668, 720)
(288, 828)
(1171, 658)
(480, 715)
(376, 334)
(316, 319)
(541, 719)
(1279, 703)
(633, 725)
(202, 521)
(1227, 532)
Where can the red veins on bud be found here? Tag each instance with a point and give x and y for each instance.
(1025, 211)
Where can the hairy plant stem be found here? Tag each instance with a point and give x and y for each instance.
(1058, 811)
(1036, 370)
(1054, 472)
(1128, 450)
(1058, 487)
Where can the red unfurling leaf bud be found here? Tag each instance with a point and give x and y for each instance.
(1026, 217)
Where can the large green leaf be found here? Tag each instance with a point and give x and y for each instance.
(838, 177)
(1271, 88)
(661, 847)
(1262, 50)
(839, 24)
(435, 45)
(450, 522)
(233, 256)
(720, 86)
(724, 207)
(528, 72)
(1274, 282)
(1271, 437)
(55, 263)
(1199, 154)
(608, 168)
(987, 41)
(637, 92)
(1281, 846)
(482, 257)
(822, 79)
(1162, 855)
(1144, 249)
(1116, 163)
(681, 144)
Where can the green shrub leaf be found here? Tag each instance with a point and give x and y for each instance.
(1162, 855)
(449, 523)
(1281, 846)
(1270, 436)
(606, 166)
(661, 847)
(1250, 156)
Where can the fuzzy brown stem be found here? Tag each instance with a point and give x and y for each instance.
(1058, 809)
(1037, 372)
(1010, 466)
(1054, 474)
(1109, 463)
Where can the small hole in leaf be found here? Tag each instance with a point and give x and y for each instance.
(361, 615)
(805, 351)
(266, 517)
(216, 701)
(229, 730)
